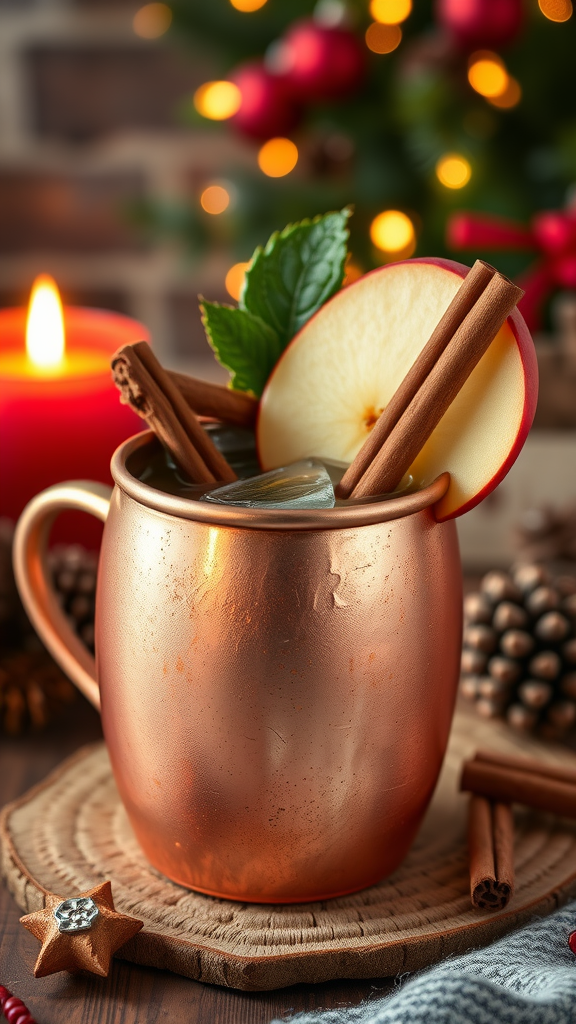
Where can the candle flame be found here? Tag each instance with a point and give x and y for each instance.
(45, 340)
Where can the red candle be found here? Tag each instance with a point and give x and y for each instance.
(60, 417)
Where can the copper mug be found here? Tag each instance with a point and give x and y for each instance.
(276, 687)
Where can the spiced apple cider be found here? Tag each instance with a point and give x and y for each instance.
(279, 600)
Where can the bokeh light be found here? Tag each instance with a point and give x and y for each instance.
(234, 280)
(215, 199)
(393, 232)
(390, 12)
(556, 10)
(152, 21)
(217, 100)
(247, 5)
(277, 157)
(510, 97)
(487, 74)
(453, 170)
(383, 38)
(352, 272)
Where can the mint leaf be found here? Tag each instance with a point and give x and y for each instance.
(242, 343)
(297, 271)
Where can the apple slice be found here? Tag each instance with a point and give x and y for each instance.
(333, 380)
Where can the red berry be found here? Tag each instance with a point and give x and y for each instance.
(12, 1001)
(16, 1010)
(572, 941)
(5, 994)
(26, 1019)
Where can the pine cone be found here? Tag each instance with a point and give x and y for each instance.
(32, 687)
(519, 650)
(74, 579)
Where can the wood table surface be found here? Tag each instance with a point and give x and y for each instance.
(130, 993)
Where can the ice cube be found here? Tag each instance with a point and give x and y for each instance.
(304, 484)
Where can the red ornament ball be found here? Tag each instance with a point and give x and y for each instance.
(478, 23)
(266, 108)
(321, 63)
(572, 941)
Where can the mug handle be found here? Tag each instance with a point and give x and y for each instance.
(33, 577)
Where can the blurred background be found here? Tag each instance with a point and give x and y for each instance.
(146, 149)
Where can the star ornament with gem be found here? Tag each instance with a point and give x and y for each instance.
(80, 933)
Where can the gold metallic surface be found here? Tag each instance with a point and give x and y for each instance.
(276, 701)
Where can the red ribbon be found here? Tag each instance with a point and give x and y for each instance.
(552, 234)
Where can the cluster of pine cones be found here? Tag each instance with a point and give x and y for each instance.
(519, 651)
(33, 689)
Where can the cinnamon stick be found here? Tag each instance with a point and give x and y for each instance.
(491, 853)
(207, 399)
(145, 386)
(528, 764)
(509, 785)
(464, 350)
(214, 459)
(468, 293)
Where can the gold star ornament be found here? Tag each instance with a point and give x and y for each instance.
(79, 933)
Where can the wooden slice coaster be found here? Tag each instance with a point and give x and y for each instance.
(71, 832)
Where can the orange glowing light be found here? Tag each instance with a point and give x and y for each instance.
(217, 100)
(390, 12)
(487, 74)
(383, 38)
(247, 6)
(278, 157)
(393, 232)
(45, 339)
(234, 280)
(152, 21)
(556, 10)
(215, 199)
(352, 272)
(510, 97)
(453, 170)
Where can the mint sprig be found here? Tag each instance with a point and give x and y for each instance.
(287, 282)
(243, 344)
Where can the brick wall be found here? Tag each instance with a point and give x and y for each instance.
(88, 125)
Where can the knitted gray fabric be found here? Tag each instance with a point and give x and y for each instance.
(528, 977)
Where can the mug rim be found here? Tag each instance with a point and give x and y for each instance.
(267, 519)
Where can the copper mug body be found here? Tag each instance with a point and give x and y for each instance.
(276, 687)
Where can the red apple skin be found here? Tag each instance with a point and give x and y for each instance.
(530, 369)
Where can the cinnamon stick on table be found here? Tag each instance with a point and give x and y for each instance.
(207, 399)
(468, 293)
(147, 388)
(528, 764)
(439, 389)
(516, 785)
(491, 853)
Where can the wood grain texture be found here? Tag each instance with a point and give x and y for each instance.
(131, 994)
(72, 833)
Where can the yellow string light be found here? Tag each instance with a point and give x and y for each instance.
(393, 232)
(215, 199)
(247, 6)
(510, 97)
(390, 12)
(453, 170)
(234, 280)
(217, 100)
(152, 21)
(383, 38)
(487, 74)
(277, 157)
(556, 10)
